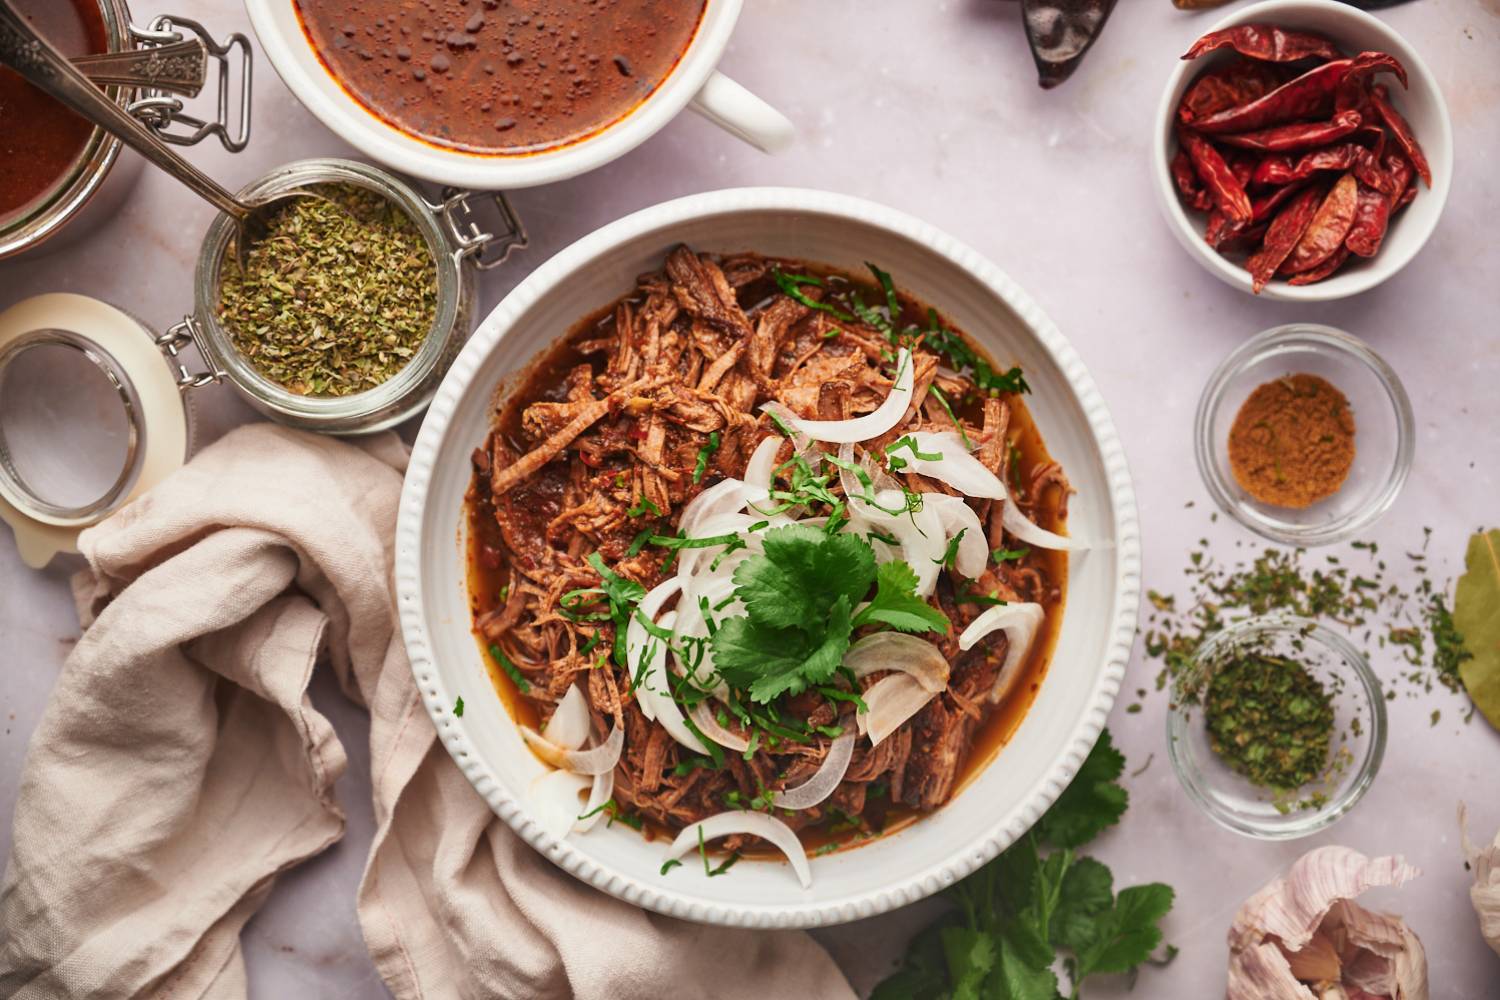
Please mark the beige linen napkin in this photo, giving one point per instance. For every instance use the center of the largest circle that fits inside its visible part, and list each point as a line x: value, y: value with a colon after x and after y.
x: 179, y: 767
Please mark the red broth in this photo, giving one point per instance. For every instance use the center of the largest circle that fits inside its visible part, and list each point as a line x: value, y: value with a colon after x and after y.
x: 40, y: 140
x: 500, y: 76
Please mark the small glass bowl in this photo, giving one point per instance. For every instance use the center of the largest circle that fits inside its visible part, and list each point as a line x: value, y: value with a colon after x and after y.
x: 1384, y: 437
x: 1355, y: 753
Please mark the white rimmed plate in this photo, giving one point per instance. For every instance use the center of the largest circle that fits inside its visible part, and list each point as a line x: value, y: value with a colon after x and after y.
x: 1103, y: 587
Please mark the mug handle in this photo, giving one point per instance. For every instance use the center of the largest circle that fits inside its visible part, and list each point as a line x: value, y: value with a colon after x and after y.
x: 740, y: 113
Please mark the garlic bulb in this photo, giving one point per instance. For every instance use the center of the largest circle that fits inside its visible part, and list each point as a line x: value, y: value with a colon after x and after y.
x: 1485, y: 894
x: 1303, y: 938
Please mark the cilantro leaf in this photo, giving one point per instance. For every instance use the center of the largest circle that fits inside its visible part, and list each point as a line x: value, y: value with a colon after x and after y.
x: 971, y: 956
x: 770, y: 662
x: 1015, y: 980
x: 1087, y: 891
x: 1093, y: 803
x: 1125, y: 935
x: 896, y: 602
x: 801, y: 574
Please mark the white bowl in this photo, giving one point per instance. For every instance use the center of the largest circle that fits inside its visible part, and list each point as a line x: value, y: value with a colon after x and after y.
x: 1103, y: 586
x: 693, y: 80
x: 1352, y: 30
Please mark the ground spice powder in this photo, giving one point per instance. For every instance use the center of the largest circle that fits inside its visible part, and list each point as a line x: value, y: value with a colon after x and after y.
x: 1292, y: 442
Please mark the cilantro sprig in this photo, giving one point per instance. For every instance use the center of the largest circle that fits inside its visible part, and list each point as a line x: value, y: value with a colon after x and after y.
x: 800, y: 597
x: 1017, y: 916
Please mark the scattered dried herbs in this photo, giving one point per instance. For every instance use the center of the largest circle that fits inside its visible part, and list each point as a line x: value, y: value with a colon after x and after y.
x: 336, y: 297
x: 1399, y: 610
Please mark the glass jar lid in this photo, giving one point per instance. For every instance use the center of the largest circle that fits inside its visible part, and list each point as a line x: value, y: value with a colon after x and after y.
x: 90, y: 418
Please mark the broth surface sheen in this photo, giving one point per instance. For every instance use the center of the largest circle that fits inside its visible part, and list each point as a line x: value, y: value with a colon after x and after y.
x: 500, y: 76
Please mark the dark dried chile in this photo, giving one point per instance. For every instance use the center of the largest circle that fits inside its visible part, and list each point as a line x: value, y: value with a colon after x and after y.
x: 1266, y: 42
x: 1227, y: 190
x: 1328, y: 229
x: 1307, y: 96
x: 1298, y: 135
x: 1381, y: 98
x: 1282, y: 236
x: 1372, y: 213
x: 1061, y: 32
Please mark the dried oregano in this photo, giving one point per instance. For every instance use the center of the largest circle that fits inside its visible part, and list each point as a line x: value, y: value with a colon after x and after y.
x: 336, y: 297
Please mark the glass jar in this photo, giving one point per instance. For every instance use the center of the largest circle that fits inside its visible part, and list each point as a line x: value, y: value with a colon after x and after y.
x: 105, y: 172
x: 458, y: 248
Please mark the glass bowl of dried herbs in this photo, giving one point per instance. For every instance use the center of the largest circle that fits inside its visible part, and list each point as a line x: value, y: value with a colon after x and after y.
x: 1304, y: 435
x: 1277, y: 727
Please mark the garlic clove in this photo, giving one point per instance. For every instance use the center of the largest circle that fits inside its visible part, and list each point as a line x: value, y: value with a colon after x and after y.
x: 1318, y: 962
x: 1302, y: 930
x: 1485, y: 893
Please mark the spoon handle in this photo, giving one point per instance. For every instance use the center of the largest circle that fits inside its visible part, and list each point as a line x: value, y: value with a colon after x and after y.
x: 32, y: 56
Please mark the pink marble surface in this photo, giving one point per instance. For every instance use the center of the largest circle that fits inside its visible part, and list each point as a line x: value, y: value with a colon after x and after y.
x: 933, y: 108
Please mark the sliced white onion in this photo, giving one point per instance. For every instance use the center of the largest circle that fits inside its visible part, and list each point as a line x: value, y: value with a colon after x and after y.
x: 956, y: 466
x: 897, y: 651
x: 823, y: 782
x: 555, y: 803
x: 762, y: 464
x: 755, y: 824
x: 637, y: 639
x: 703, y: 717
x: 1022, y: 529
x: 724, y: 497
x: 891, y: 701
x: 595, y: 760
x: 958, y: 517
x: 968, y: 475
x: 655, y: 691
x: 1020, y: 623
x: 604, y: 787
x: 569, y: 725
x: 887, y: 415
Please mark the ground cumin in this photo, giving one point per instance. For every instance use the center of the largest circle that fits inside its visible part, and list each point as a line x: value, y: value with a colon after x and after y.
x: 1292, y: 443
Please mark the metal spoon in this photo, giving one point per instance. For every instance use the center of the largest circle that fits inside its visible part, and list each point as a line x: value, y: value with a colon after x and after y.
x: 178, y: 68
x: 32, y: 56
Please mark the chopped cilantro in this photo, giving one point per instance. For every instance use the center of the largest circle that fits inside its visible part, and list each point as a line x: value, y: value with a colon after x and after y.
x: 458, y: 708
x: 704, y: 454
x: 511, y: 670
x: 642, y: 506
x: 1010, y: 555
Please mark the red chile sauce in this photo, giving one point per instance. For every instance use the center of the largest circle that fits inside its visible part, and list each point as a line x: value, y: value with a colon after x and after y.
x: 500, y: 76
x: 40, y: 140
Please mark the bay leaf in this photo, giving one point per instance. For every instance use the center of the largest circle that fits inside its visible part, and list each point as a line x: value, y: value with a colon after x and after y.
x: 1476, y: 614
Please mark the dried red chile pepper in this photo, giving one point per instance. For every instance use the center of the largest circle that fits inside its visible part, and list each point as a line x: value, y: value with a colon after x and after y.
x: 1401, y: 131
x: 1264, y: 125
x: 1227, y: 191
x: 1282, y: 235
x: 1298, y: 135
x: 1329, y: 227
x: 1266, y: 42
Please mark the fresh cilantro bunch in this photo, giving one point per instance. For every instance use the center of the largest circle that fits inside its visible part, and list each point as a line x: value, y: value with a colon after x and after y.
x: 1015, y: 918
x: 800, y: 597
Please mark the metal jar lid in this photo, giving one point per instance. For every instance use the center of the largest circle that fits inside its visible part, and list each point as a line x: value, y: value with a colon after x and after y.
x: 91, y: 417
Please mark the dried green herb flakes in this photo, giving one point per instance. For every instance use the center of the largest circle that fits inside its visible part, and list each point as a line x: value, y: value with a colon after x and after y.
x: 336, y: 297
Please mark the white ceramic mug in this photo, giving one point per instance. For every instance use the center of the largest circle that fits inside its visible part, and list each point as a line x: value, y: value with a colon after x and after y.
x: 694, y: 81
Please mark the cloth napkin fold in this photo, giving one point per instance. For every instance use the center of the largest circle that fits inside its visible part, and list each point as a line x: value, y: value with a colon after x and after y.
x: 180, y: 766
